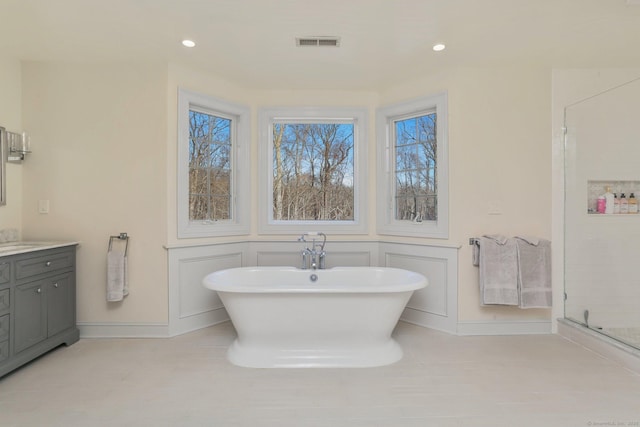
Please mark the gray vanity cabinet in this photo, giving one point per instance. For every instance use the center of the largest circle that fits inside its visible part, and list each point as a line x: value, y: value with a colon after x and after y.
x: 41, y: 312
x: 5, y: 309
x: 61, y: 307
x: 29, y: 316
x: 43, y: 308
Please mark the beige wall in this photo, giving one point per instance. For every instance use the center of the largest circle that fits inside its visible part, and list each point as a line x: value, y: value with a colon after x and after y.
x: 98, y: 136
x: 11, y: 119
x: 104, y: 137
x: 499, y: 157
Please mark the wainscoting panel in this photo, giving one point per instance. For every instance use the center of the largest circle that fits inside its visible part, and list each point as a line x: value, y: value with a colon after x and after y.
x: 191, y: 305
x: 294, y: 259
x: 339, y: 254
x: 433, y: 298
x: 435, y: 306
x: 195, y: 299
x: 349, y: 259
x: 278, y: 259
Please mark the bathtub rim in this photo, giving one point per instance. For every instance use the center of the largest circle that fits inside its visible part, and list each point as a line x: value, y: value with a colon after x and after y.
x: 416, y: 281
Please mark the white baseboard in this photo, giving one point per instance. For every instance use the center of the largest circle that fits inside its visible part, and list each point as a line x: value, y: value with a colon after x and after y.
x: 159, y: 330
x: 428, y: 320
x: 502, y: 327
x: 198, y: 321
x: 123, y: 330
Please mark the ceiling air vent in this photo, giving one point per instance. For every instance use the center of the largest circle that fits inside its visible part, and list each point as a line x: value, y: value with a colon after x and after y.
x: 318, y: 41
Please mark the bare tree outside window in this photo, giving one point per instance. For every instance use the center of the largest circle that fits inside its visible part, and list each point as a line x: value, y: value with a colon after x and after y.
x: 415, y: 150
x: 313, y: 171
x: 209, y: 167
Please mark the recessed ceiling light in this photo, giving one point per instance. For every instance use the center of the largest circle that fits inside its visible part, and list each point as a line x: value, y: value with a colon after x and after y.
x: 188, y: 43
x: 438, y: 47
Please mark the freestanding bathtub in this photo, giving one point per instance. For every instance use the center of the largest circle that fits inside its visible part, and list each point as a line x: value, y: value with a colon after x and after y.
x: 340, y: 317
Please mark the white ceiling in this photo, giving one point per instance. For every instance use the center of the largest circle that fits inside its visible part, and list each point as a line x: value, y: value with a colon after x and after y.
x: 252, y: 42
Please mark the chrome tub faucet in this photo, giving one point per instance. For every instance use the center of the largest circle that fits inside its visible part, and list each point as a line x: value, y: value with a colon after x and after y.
x: 313, y: 257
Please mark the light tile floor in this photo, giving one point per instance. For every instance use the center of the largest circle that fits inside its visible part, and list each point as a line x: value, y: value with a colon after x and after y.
x: 443, y: 380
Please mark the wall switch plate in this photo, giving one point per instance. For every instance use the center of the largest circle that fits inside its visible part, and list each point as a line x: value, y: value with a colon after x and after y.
x: 495, y: 207
x: 43, y: 206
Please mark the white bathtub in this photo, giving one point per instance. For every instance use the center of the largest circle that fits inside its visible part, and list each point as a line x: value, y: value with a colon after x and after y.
x: 343, y: 318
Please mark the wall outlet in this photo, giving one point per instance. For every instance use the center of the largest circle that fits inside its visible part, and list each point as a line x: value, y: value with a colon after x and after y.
x: 43, y: 206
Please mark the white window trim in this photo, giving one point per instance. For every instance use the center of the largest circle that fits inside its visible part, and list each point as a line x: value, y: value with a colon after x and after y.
x: 266, y: 223
x: 387, y: 224
x: 239, y: 224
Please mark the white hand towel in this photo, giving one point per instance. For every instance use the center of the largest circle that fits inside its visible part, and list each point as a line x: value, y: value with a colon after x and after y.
x: 498, y: 271
x: 117, y: 281
x: 534, y: 274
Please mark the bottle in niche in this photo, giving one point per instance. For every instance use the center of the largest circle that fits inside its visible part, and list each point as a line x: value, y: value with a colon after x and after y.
x: 608, y: 198
x: 602, y: 205
x: 624, y: 204
x: 633, y: 204
x: 616, y: 203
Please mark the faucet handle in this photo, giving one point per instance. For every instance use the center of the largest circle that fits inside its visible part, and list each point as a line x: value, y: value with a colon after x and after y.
x: 321, y: 260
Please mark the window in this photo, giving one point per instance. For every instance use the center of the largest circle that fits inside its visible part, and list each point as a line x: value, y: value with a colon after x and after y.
x: 312, y: 169
x: 414, y: 149
x: 412, y: 153
x: 209, y: 168
x: 213, y: 167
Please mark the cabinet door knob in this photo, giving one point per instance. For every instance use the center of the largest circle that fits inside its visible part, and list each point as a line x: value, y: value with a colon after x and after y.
x: 55, y: 285
x: 39, y: 290
x: 48, y: 263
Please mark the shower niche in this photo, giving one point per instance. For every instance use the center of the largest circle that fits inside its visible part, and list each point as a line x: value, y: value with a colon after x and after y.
x: 597, y: 188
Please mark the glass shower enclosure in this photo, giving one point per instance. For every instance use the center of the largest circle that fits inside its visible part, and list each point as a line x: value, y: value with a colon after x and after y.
x: 602, y: 250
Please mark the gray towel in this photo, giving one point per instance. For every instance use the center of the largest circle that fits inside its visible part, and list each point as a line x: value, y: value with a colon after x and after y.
x: 498, y: 238
x: 534, y: 273
x: 117, y: 281
x: 498, y: 270
x: 532, y: 240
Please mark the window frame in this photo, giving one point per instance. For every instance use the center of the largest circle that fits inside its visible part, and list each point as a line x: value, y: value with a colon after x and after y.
x: 387, y: 224
x: 239, y: 223
x: 266, y: 117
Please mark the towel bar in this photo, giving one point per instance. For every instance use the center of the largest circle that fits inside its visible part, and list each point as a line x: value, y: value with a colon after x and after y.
x: 121, y: 236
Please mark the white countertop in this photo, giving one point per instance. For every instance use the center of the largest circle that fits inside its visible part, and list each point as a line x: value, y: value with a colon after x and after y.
x: 20, y: 247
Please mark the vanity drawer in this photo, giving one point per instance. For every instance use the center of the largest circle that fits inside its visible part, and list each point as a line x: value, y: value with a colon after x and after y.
x: 5, y: 272
x: 35, y: 265
x: 5, y: 302
x: 4, y: 328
